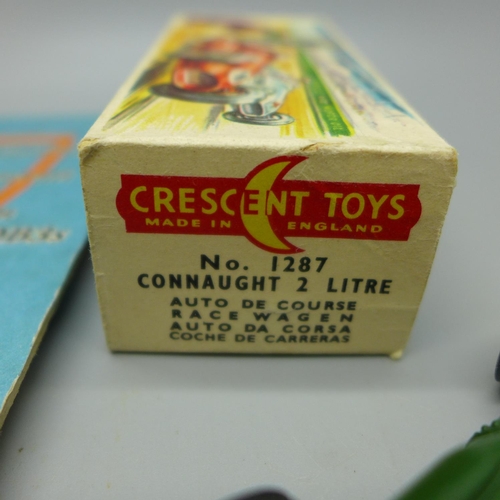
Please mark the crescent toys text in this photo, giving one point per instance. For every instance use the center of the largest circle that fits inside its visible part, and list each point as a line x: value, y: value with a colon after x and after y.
x: 266, y: 208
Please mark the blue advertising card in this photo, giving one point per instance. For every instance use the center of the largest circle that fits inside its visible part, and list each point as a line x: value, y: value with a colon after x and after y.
x: 42, y: 232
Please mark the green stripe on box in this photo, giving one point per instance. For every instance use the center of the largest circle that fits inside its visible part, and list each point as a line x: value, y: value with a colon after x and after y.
x: 329, y: 117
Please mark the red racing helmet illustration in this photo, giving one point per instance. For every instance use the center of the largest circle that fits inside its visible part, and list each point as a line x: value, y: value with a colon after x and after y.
x: 231, y: 72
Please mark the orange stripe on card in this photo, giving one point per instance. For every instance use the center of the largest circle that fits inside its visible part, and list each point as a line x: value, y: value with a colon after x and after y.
x: 59, y: 146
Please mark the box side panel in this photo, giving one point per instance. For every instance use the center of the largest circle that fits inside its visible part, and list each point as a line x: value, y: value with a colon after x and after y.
x: 293, y: 251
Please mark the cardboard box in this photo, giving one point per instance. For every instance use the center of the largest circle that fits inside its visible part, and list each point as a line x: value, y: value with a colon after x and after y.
x: 256, y: 188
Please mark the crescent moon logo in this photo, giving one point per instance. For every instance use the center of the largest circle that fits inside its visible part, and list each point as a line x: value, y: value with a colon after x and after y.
x: 258, y: 226
x: 266, y: 207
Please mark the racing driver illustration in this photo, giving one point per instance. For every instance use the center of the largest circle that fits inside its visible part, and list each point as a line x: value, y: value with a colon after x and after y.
x: 230, y: 72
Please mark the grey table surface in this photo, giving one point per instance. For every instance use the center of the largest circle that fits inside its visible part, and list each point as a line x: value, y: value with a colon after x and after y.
x: 90, y: 424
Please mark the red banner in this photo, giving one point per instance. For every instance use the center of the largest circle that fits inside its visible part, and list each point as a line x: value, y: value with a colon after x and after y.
x: 266, y: 208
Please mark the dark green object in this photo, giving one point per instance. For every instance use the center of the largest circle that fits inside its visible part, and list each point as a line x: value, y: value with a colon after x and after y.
x: 471, y: 473
x: 268, y: 494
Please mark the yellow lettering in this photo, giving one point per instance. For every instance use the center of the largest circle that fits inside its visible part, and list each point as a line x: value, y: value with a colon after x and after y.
x: 298, y: 195
x: 279, y: 205
x: 345, y: 207
x: 133, y: 199
x: 333, y: 202
x: 184, y: 199
x: 399, y: 209
x: 210, y: 201
x: 223, y: 201
x: 152, y: 222
x: 165, y: 201
x: 376, y: 204
x: 258, y: 205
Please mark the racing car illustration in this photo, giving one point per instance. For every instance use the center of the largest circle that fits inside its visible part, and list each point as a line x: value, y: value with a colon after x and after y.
x: 229, y: 72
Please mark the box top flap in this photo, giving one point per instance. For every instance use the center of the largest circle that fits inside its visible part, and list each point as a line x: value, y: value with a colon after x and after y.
x: 260, y: 81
